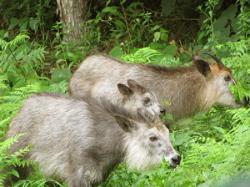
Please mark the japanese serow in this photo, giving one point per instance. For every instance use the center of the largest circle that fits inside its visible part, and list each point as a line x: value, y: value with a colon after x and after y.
x: 133, y: 99
x: 81, y: 142
x: 183, y: 90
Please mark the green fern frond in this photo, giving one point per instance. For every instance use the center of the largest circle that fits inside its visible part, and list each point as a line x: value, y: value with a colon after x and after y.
x: 20, y: 38
x: 7, y: 160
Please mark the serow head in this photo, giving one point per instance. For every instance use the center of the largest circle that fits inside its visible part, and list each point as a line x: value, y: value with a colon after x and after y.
x: 218, y: 79
x: 140, y: 101
x: 147, y: 144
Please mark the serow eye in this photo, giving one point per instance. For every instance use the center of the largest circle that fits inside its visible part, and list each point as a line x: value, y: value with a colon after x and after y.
x: 153, y: 138
x: 146, y: 100
x: 227, y: 78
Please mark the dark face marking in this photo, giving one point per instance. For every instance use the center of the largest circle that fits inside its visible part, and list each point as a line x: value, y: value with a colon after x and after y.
x: 133, y: 85
x: 203, y: 67
x: 147, y: 101
x: 124, y: 90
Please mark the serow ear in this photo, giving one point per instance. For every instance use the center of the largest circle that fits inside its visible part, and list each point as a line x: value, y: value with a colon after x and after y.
x: 125, y: 123
x: 135, y: 86
x: 202, y: 66
x: 124, y: 90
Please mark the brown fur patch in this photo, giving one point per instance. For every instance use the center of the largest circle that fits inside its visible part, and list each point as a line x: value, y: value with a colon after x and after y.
x: 221, y: 67
x: 159, y: 69
x: 214, y: 68
x: 227, y: 69
x: 167, y: 70
x: 218, y: 69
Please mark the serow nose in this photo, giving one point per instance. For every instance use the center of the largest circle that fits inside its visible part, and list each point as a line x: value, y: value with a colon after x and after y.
x: 162, y: 110
x: 176, y: 160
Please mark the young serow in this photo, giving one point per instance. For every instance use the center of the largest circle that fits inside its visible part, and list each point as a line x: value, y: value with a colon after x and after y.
x: 81, y: 142
x: 183, y: 90
x: 134, y: 100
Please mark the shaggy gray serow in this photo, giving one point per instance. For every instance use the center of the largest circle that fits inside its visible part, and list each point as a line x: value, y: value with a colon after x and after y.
x: 80, y: 142
x: 183, y: 90
x: 135, y: 100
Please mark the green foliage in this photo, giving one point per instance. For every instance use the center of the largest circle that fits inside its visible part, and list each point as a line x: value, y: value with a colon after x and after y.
x: 231, y: 25
x: 207, y: 29
x: 233, y: 49
x: 206, y: 161
x: 8, y: 161
x: 69, y: 54
x: 10, y: 102
x: 20, y: 63
x: 167, y: 6
x: 240, y: 65
x: 214, y: 145
x: 243, y: 18
x: 38, y: 182
x: 3, y: 86
x: 130, y: 27
x: 32, y: 15
x: 153, y: 55
x: 19, y: 60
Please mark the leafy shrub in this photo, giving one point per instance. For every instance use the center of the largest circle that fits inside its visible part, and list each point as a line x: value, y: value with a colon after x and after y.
x: 154, y: 55
x: 231, y: 25
x: 10, y: 103
x: 131, y: 26
x: 8, y: 161
x: 214, y: 145
x: 20, y: 59
x: 36, y: 16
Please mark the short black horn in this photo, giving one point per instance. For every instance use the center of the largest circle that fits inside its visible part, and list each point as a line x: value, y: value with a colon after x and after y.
x: 217, y: 60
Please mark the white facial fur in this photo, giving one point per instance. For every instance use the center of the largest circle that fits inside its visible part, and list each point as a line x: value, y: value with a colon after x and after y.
x: 146, y: 147
x: 221, y: 84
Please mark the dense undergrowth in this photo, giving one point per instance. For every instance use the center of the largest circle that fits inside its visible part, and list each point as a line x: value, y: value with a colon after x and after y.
x: 214, y: 145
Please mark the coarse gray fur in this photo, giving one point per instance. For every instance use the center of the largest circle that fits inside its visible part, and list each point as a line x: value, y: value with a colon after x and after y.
x: 81, y: 142
x: 183, y: 91
x: 132, y: 98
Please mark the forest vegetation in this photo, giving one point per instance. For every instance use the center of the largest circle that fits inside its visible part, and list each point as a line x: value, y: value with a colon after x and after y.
x: 40, y: 48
